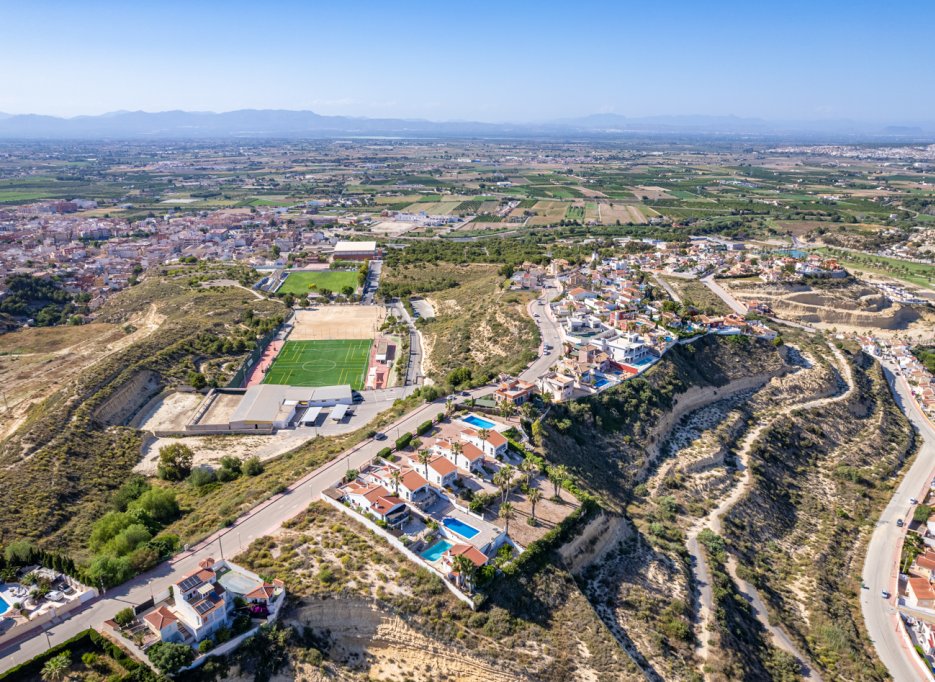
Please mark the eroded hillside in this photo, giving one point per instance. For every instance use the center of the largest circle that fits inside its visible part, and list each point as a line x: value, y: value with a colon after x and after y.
x: 361, y: 611
x: 60, y: 466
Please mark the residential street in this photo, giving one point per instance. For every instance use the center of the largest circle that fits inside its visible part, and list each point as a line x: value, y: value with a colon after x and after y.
x: 880, y: 567
x: 549, y: 328
x: 725, y: 295
x: 264, y: 519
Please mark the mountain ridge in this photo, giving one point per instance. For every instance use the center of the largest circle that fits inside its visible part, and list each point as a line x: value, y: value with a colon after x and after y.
x: 259, y: 123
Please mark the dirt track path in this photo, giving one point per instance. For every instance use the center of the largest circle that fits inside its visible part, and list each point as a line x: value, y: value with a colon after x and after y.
x: 713, y: 521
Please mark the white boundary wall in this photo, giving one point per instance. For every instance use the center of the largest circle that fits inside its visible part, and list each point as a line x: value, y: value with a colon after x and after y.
x: 408, y: 553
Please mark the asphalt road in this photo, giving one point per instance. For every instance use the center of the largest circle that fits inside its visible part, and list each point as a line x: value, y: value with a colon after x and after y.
x: 725, y: 295
x: 549, y: 330
x: 881, y: 565
x: 265, y: 519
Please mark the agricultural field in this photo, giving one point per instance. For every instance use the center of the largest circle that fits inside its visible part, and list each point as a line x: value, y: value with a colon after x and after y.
x: 301, y: 282
x: 321, y: 363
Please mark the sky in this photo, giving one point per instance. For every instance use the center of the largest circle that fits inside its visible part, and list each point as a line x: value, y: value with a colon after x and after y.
x: 480, y: 61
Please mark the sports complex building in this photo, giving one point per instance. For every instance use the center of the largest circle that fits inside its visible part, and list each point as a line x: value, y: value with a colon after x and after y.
x: 315, y: 363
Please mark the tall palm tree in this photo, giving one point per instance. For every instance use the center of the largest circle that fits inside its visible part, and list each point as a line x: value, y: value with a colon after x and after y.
x: 424, y: 457
x: 506, y: 513
x: 464, y: 567
x: 558, y: 475
x: 534, y: 495
x: 394, y: 476
x: 456, y: 449
x: 483, y: 433
x: 56, y: 668
x: 530, y: 467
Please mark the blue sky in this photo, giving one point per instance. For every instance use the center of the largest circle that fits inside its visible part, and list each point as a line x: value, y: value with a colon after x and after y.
x: 488, y: 61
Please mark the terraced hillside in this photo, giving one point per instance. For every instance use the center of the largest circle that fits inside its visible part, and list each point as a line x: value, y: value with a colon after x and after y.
x: 777, y: 452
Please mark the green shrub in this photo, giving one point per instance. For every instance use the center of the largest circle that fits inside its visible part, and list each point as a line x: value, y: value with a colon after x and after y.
x: 124, y: 616
x: 403, y: 440
x: 424, y: 427
x: 253, y: 466
x: 202, y: 476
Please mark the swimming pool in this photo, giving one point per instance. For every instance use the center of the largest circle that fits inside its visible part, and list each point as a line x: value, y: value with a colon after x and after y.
x: 479, y: 422
x: 460, y: 527
x: 3, y: 605
x: 434, y: 553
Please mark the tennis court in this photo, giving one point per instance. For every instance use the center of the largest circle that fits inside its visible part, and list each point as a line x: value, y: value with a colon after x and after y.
x: 321, y: 363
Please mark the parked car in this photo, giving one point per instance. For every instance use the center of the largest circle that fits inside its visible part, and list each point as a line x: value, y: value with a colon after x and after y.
x: 886, y: 595
x: 466, y: 394
x: 452, y: 398
x: 899, y: 523
x: 379, y: 436
x: 913, y: 500
x: 357, y: 397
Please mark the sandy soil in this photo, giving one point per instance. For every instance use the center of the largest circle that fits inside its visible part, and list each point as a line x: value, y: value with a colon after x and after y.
x: 171, y: 413
x: 42, y: 360
x: 338, y: 322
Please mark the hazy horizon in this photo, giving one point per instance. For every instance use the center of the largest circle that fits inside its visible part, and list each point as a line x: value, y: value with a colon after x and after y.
x: 522, y: 63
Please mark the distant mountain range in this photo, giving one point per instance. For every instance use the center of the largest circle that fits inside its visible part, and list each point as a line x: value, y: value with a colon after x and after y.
x: 281, y: 123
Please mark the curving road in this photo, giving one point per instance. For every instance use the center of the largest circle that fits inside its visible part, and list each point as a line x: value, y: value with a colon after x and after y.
x: 264, y: 519
x: 881, y: 564
x: 880, y: 572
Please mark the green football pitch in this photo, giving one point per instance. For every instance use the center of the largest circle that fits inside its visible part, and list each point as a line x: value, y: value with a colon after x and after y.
x: 321, y: 363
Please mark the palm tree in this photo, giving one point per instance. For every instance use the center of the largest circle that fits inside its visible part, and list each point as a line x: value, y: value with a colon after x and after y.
x: 56, y: 668
x: 464, y: 567
x: 424, y: 457
x: 530, y: 467
x: 483, y: 433
x: 456, y: 449
x: 558, y: 474
x: 506, y: 513
x: 449, y: 406
x: 394, y: 476
x: 534, y: 495
x: 503, y: 479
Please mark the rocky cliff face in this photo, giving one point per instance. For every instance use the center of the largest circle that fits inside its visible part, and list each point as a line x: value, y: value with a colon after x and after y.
x: 610, y: 441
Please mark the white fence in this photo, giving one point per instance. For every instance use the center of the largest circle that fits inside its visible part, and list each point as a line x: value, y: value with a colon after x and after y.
x: 394, y: 541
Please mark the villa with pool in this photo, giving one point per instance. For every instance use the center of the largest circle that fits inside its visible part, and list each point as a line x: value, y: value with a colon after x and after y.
x: 420, y: 495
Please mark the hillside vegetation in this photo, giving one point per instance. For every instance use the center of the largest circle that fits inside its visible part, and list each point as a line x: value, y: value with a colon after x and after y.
x: 608, y: 440
x: 478, y: 327
x: 821, y: 479
x: 59, y: 469
x: 363, y: 612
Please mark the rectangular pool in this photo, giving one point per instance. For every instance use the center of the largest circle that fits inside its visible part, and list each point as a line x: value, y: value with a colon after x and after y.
x: 434, y: 553
x: 3, y: 605
x: 460, y: 527
x: 478, y: 422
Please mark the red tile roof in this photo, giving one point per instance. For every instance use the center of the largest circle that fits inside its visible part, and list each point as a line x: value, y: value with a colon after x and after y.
x: 477, y: 557
x: 442, y: 465
x: 160, y: 618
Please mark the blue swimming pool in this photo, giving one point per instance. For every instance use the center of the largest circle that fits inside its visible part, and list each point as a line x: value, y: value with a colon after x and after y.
x: 3, y: 605
x: 460, y: 527
x: 479, y: 422
x: 434, y: 553
x: 601, y: 383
